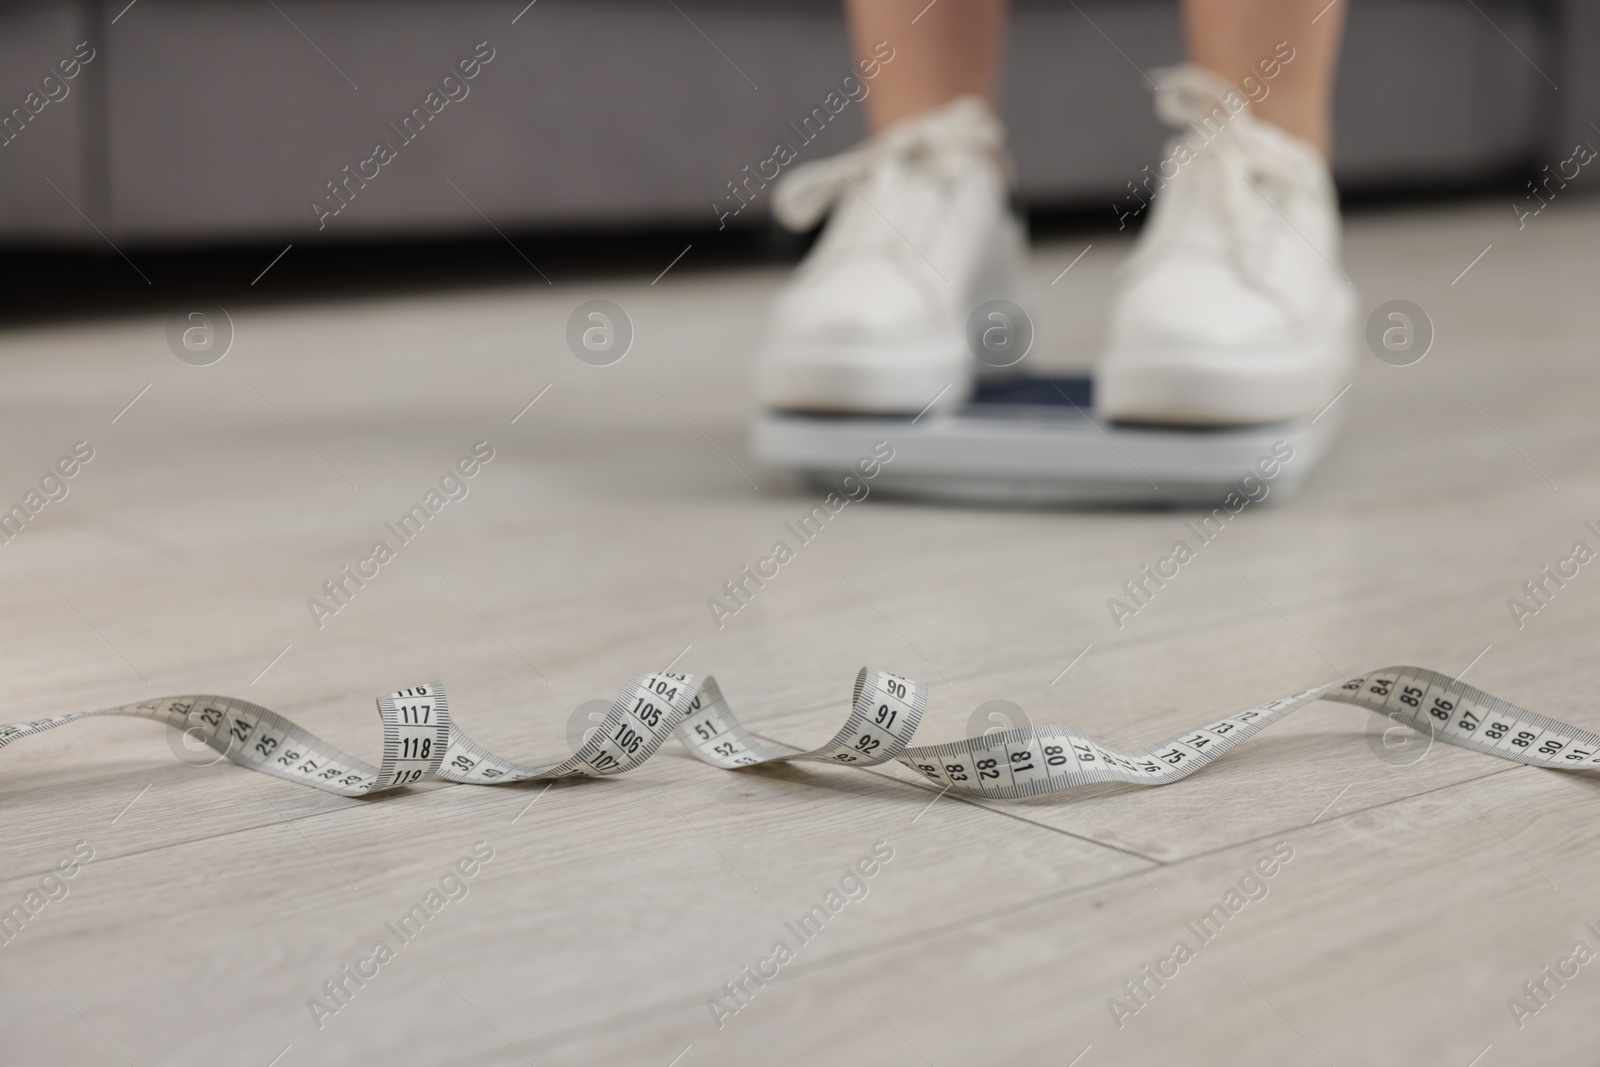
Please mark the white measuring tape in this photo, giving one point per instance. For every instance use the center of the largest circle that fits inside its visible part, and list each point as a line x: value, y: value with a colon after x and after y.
x: 420, y: 740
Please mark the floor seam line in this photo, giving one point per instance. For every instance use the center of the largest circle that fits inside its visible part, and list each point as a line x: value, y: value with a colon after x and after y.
x: 973, y: 802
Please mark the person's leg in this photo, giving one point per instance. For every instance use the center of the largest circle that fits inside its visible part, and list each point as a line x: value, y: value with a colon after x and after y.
x: 1230, y: 37
x: 1234, y: 310
x: 919, y: 232
x: 951, y: 50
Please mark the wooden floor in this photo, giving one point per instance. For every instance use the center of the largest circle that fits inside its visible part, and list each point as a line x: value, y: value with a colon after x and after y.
x: 1420, y: 896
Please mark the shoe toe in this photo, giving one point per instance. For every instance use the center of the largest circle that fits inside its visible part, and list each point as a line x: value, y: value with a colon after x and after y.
x: 855, y: 301
x: 1196, y: 305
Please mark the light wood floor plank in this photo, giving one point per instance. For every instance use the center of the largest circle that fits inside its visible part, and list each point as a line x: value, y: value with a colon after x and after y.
x: 221, y: 500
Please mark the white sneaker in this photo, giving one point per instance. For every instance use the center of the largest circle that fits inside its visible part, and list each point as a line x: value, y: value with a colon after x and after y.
x: 1233, y: 309
x: 920, y: 235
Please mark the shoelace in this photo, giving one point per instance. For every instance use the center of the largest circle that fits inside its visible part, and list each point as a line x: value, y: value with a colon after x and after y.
x: 1240, y: 166
x: 935, y: 143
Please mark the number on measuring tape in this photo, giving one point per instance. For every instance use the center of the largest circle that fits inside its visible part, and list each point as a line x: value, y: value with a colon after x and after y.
x: 421, y: 741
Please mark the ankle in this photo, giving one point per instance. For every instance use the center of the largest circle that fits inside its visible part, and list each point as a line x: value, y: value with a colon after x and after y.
x: 1308, y: 124
x: 891, y: 112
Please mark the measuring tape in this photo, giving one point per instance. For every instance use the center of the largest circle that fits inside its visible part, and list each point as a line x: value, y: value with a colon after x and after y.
x: 420, y: 740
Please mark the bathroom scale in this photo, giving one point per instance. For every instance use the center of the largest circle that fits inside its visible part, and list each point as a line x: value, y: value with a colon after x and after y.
x: 1036, y: 441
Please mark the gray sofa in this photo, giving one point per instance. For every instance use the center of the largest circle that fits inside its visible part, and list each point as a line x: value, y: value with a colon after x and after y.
x: 208, y: 121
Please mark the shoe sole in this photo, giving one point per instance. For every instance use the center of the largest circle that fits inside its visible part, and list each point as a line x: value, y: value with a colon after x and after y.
x: 1194, y: 387
x: 879, y: 378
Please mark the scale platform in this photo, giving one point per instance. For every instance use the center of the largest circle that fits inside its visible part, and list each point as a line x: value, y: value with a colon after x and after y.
x: 1035, y: 441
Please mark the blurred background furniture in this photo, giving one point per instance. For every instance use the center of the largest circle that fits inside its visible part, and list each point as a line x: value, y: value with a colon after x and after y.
x: 216, y: 121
